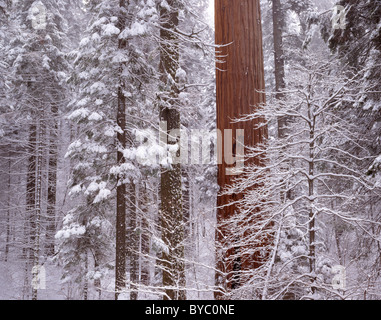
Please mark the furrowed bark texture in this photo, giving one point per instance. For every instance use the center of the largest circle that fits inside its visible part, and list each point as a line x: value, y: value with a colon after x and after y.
x: 121, y: 249
x: 239, y: 77
x: 172, y: 224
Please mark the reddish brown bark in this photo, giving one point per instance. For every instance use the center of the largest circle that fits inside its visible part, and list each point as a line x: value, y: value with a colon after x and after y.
x: 239, y: 77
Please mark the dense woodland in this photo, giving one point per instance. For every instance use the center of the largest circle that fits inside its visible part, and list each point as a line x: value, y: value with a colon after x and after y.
x: 99, y: 197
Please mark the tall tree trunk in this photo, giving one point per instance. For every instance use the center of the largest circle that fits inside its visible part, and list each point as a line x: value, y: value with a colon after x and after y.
x: 97, y: 281
x: 279, y: 71
x: 86, y: 282
x: 8, y: 236
x: 29, y: 237
x: 120, y: 260
x: 172, y: 226
x: 144, y: 237
x: 133, y: 246
x: 240, y: 80
x: 278, y: 25
x: 186, y: 203
x: 37, y: 210
x: 311, y: 192
x: 52, y: 183
x: 31, y: 174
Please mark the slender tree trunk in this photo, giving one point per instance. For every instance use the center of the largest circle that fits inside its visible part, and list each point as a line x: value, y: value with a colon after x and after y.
x: 158, y: 274
x: 86, y: 282
x: 97, y: 281
x: 8, y: 236
x: 37, y: 210
x: 172, y: 226
x: 186, y: 203
x: 311, y: 224
x: 338, y: 234
x: 133, y: 247
x: 145, y: 237
x: 29, y: 226
x: 52, y: 184
x: 31, y: 174
x: 279, y: 71
x: 278, y: 25
x: 120, y: 261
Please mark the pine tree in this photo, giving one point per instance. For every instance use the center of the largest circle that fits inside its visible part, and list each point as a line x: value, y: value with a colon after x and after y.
x: 171, y: 209
x: 358, y: 45
x: 36, y: 53
x: 112, y: 77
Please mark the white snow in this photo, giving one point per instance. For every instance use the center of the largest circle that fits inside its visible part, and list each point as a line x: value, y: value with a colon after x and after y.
x: 74, y: 229
x: 181, y: 75
x: 83, y: 113
x: 137, y: 29
x: 76, y: 189
x: 110, y: 132
x: 95, y: 116
x: 110, y: 30
x: 102, y: 195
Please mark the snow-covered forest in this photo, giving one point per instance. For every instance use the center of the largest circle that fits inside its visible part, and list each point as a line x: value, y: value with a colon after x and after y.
x: 111, y: 150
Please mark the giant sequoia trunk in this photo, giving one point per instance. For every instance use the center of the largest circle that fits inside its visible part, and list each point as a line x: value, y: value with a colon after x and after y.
x: 239, y: 76
x: 172, y: 226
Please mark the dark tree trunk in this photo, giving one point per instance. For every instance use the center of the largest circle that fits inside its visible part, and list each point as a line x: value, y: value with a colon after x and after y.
x: 186, y: 202
x: 97, y: 281
x: 36, y: 220
x: 31, y: 178
x: 145, y: 236
x: 120, y: 259
x: 29, y: 226
x: 172, y: 225
x: 86, y: 282
x: 52, y: 183
x: 120, y: 262
x: 8, y: 237
x: 133, y: 246
x: 311, y: 192
x: 278, y: 25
